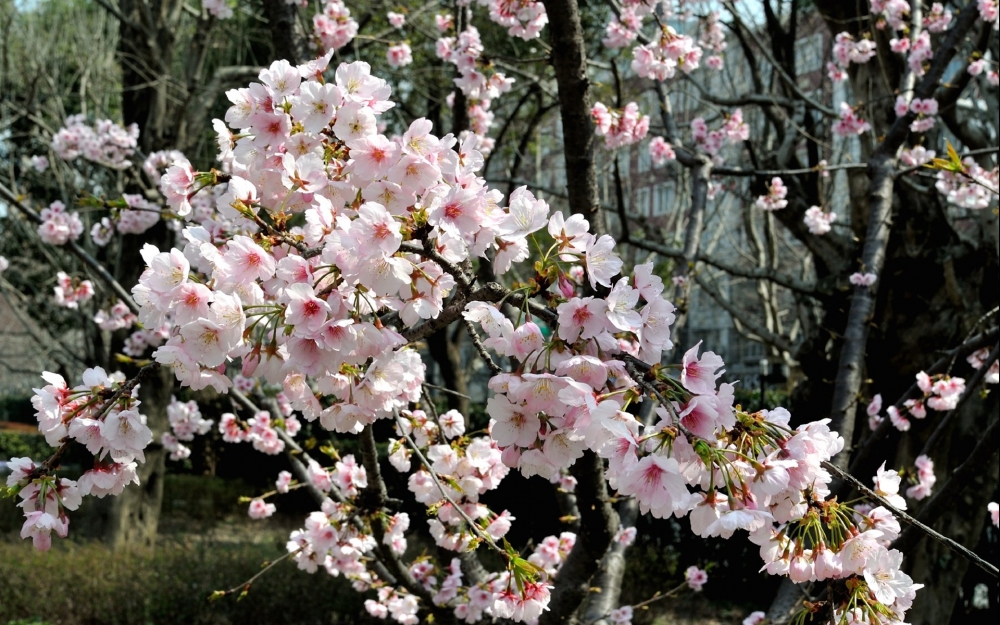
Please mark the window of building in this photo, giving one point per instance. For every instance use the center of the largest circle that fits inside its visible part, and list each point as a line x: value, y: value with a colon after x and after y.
x: 663, y: 198
x: 641, y: 205
x: 809, y: 54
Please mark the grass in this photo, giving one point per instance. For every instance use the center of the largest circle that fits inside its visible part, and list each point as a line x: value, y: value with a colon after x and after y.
x: 88, y: 584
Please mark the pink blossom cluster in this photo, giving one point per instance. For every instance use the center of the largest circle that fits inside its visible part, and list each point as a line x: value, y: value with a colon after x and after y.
x: 849, y: 123
x: 818, y: 221
x: 713, y: 38
x: 71, y: 292
x: 775, y: 198
x: 624, y: 28
x: 925, y: 479
x: 975, y: 189
x: 920, y: 53
x: 105, y: 142
x: 619, y: 127
x: 185, y: 422
x: 522, y: 18
x: 334, y: 26
x: 323, y: 310
x: 660, y: 151
x: 117, y: 317
x: 217, y: 9
x: 97, y: 414
x: 39, y: 163
x: 937, y: 19
x: 989, y: 10
x: 941, y: 392
x: 261, y: 431
x: 891, y: 12
x: 59, y: 226
x: 475, y: 466
x: 396, y: 20
x: 139, y: 341
x: 994, y: 509
x: 734, y: 130
x: 846, y: 51
x: 480, y: 83
x: 925, y: 110
x: 916, y: 156
x: 399, y: 54
x: 977, y: 360
x: 661, y: 58
x: 44, y: 501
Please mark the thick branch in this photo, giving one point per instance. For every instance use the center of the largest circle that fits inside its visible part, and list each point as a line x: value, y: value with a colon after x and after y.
x: 569, y: 58
x: 598, y: 522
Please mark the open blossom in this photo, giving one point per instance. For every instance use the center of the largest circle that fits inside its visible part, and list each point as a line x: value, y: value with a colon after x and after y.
x: 994, y: 509
x: 925, y: 479
x: 259, y: 509
x: 887, y: 486
x: 396, y: 20
x: 399, y: 55
x: 755, y: 618
x: 695, y: 578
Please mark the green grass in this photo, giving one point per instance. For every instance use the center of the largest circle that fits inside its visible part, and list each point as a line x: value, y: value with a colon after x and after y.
x: 88, y: 584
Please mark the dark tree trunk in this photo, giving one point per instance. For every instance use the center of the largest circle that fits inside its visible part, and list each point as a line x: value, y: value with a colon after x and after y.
x: 570, y: 62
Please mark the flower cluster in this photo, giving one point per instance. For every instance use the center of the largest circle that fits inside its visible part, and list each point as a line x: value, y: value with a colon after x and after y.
x: 973, y: 188
x: 71, y: 292
x: 925, y: 110
x: 185, y: 422
x: 105, y: 142
x: 59, y: 226
x: 619, y: 127
x: 118, y: 317
x: 102, y: 415
x: 522, y: 18
x: 479, y: 82
x: 818, y: 221
x: 941, y: 392
x: 661, y: 58
x: 218, y: 9
x: 775, y: 198
x: 660, y: 151
x: 734, y: 131
x: 334, y: 27
x: 979, y: 358
x: 846, y: 51
x: 849, y: 122
x: 474, y: 467
x: 924, y: 478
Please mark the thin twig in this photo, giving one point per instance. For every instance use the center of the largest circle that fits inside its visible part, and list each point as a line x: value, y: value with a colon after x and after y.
x: 951, y: 544
x: 427, y: 465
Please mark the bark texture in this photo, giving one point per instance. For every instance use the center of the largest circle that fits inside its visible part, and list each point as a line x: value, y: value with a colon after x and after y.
x: 569, y: 58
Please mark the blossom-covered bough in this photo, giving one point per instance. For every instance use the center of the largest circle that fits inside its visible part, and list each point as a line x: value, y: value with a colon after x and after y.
x: 321, y: 252
x: 329, y: 308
